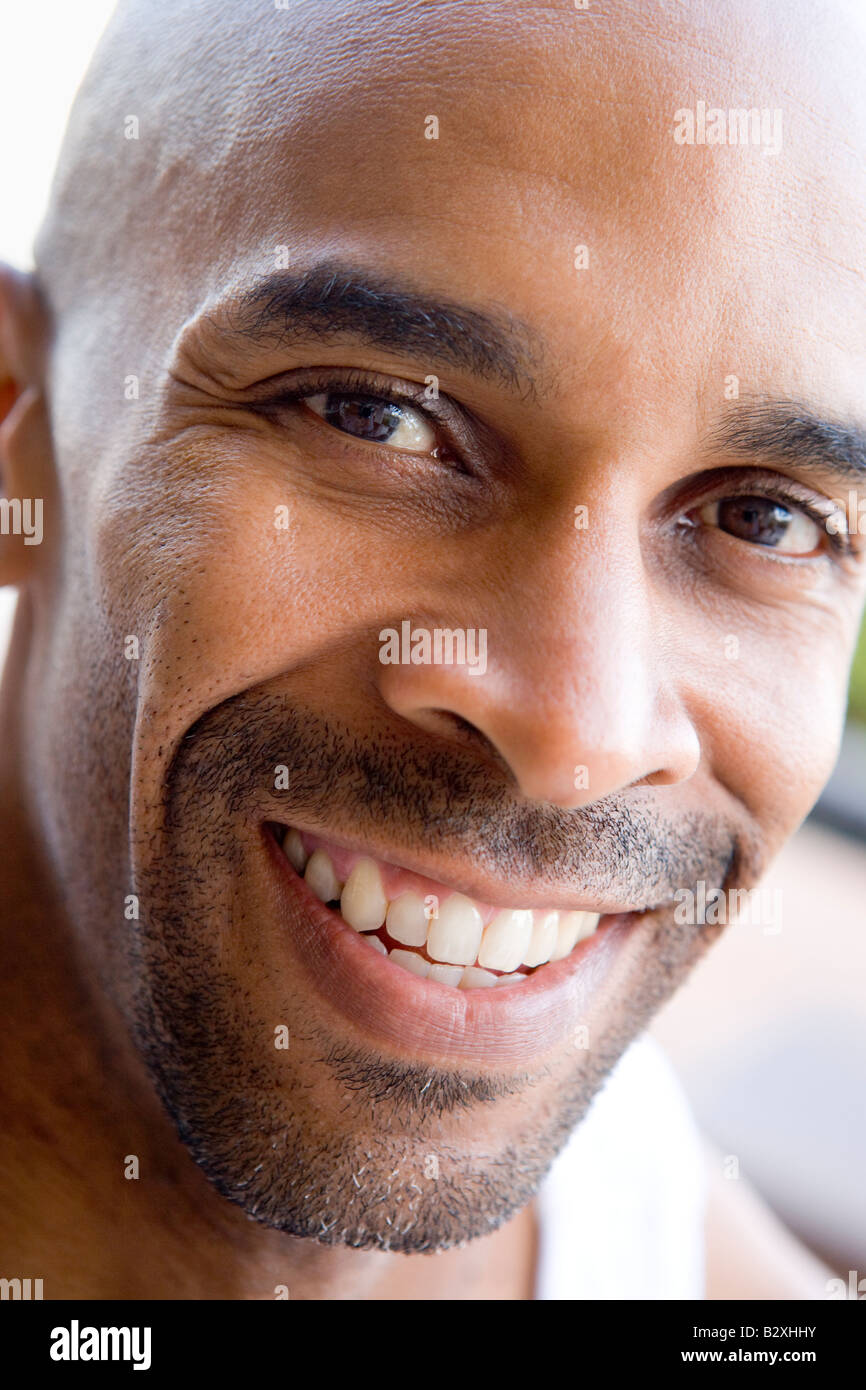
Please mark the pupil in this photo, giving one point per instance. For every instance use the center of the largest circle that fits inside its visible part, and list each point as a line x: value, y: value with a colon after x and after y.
x: 754, y: 519
x: 363, y: 416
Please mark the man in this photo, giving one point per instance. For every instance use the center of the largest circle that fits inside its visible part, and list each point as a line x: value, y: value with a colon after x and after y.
x: 440, y: 414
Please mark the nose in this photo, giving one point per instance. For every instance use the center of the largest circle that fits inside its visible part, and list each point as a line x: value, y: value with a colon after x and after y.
x: 578, y: 693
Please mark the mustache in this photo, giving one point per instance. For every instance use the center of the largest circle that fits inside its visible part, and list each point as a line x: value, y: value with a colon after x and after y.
x: 407, y: 790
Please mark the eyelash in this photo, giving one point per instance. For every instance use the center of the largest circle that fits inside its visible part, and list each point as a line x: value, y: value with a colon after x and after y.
x: 355, y: 381
x: 775, y: 491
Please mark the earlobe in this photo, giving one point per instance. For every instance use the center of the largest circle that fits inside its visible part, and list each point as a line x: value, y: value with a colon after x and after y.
x: 26, y: 473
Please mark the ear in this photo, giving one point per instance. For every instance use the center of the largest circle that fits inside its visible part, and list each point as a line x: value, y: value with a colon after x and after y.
x: 26, y: 470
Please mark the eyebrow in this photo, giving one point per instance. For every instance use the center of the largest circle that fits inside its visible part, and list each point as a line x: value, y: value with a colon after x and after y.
x: 787, y: 431
x: 334, y: 299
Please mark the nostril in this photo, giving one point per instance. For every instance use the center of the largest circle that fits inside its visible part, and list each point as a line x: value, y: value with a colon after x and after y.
x: 465, y: 727
x: 664, y: 777
x: 460, y: 730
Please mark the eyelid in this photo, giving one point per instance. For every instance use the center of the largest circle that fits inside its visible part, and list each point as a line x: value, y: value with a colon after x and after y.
x: 442, y: 413
x: 746, y: 482
x: 798, y: 516
x: 457, y: 430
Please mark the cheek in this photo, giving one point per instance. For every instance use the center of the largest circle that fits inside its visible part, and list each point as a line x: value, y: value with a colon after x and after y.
x: 231, y: 578
x: 772, y: 717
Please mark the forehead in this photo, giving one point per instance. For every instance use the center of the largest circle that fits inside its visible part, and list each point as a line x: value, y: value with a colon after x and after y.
x: 473, y: 147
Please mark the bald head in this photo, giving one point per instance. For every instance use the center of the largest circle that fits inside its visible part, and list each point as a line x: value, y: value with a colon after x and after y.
x: 203, y: 133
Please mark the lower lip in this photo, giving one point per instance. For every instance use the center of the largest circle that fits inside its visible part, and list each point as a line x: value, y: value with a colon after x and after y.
x: 426, y: 1021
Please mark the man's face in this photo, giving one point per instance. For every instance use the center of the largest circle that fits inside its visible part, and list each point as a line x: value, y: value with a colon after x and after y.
x: 668, y: 626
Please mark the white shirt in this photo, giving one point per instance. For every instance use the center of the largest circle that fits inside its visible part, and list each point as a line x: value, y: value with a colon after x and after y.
x: 621, y: 1210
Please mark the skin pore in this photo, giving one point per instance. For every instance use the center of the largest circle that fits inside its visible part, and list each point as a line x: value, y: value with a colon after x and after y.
x: 282, y: 218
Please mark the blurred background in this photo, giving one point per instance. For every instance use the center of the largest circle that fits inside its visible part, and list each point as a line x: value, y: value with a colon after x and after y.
x: 769, y: 1035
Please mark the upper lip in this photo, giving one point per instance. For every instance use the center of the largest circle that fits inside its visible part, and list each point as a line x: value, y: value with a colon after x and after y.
x: 474, y: 884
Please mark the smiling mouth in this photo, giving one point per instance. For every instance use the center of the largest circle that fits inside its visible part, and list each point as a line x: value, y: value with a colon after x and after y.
x: 427, y: 928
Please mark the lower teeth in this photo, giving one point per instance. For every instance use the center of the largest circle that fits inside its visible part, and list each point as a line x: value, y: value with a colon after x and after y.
x: 456, y: 976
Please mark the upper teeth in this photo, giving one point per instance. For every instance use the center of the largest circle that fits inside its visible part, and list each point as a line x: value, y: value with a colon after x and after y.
x: 506, y: 940
x: 320, y: 875
x: 405, y: 919
x: 455, y: 933
x: 462, y: 951
x: 363, y: 903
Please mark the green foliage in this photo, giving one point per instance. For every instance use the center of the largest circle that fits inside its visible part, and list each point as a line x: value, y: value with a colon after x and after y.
x: 857, y: 691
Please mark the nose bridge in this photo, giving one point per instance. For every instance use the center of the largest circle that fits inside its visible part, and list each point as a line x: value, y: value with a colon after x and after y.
x: 593, y: 681
x: 579, y: 706
x: 575, y: 696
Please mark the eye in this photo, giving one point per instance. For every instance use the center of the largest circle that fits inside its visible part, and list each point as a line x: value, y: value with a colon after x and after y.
x: 765, y: 521
x: 375, y: 419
